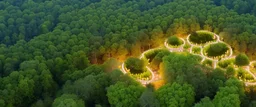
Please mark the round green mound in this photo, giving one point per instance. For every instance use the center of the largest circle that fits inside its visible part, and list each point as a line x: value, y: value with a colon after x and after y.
x: 174, y: 41
x: 216, y: 49
x: 201, y: 37
x: 135, y: 65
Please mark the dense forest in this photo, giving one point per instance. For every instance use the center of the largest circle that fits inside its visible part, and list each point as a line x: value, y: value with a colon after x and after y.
x: 67, y: 53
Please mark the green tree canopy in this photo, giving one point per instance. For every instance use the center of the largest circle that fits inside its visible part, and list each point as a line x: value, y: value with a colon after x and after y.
x: 216, y: 49
x: 242, y: 60
x: 176, y: 95
x: 68, y: 100
x: 135, y: 65
x: 174, y: 40
x: 205, y: 102
x: 148, y: 99
x: 124, y: 95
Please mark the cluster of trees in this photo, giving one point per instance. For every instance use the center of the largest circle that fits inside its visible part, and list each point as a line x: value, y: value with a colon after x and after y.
x: 174, y: 41
x: 201, y: 37
x: 226, y: 63
x: 240, y: 6
x: 154, y: 57
x: 217, y: 49
x: 214, y: 88
x: 49, y: 49
x: 23, y: 20
x: 135, y: 65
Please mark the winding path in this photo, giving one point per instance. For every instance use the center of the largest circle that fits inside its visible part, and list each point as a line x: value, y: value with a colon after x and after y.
x: 155, y: 76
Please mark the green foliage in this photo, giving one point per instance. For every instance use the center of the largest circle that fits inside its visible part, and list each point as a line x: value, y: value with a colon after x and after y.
x: 207, y: 62
x: 244, y: 75
x: 230, y: 95
x: 77, y: 74
x: 196, y: 50
x: 205, y: 102
x: 90, y: 88
x: 226, y: 63
x: 50, y: 44
x: 176, y: 95
x: 146, y: 75
x: 242, y: 60
x: 174, y: 41
x: 68, y: 100
x: 217, y: 49
x: 135, y: 65
x: 230, y: 72
x: 2, y: 103
x: 153, y: 54
x: 148, y: 99
x: 184, y: 68
x: 124, y: 95
x: 186, y: 46
x: 158, y: 59
x: 253, y: 104
x: 201, y: 37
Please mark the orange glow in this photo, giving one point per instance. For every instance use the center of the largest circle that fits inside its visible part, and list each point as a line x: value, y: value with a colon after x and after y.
x: 158, y: 84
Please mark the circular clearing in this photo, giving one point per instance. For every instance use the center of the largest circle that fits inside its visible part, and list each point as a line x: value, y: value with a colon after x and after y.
x: 135, y: 65
x: 201, y: 37
x: 174, y: 41
x: 216, y: 50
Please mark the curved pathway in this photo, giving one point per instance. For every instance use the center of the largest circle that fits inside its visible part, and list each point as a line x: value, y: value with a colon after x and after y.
x: 155, y: 76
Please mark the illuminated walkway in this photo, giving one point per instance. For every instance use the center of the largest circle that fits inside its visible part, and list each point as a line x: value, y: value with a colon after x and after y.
x: 155, y: 75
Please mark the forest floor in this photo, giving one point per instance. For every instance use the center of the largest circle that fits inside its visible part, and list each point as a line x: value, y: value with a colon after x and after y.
x: 155, y: 76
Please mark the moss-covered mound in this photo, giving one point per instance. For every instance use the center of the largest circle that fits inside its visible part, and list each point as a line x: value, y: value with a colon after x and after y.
x: 216, y: 49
